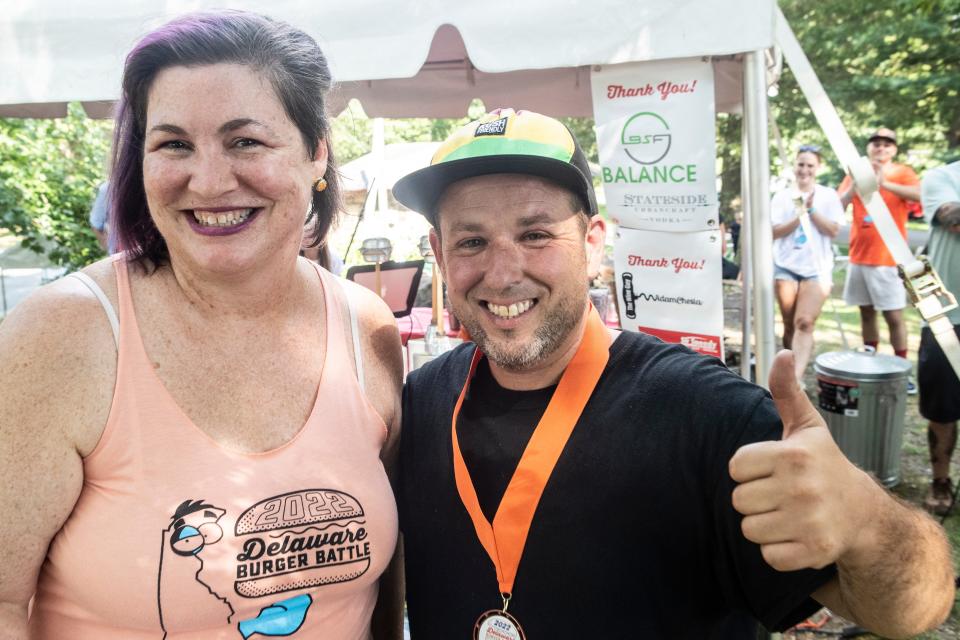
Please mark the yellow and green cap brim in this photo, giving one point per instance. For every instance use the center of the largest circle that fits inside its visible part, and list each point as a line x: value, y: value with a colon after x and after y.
x: 502, y: 141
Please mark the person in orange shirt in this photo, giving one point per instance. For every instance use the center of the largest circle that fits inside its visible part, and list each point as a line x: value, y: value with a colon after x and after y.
x: 872, y: 280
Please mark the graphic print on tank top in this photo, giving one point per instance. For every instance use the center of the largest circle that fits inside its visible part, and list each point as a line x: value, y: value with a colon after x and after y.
x: 293, y: 541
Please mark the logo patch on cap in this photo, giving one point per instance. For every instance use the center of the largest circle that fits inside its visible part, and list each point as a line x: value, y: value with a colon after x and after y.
x: 495, y: 128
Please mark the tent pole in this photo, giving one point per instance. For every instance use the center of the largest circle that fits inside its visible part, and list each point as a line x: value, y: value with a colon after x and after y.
x: 746, y: 255
x: 761, y: 236
x: 379, y: 164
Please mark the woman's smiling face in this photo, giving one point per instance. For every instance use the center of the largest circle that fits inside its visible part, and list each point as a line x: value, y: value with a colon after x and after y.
x: 805, y: 168
x: 226, y: 172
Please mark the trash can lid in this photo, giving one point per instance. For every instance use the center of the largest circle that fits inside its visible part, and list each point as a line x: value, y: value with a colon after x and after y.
x: 862, y: 365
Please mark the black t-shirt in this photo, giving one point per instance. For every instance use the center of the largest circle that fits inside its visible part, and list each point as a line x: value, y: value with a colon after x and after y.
x: 493, y: 430
x: 635, y: 535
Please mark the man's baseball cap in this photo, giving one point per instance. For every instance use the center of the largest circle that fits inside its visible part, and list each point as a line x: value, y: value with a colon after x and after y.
x: 502, y: 141
x: 883, y: 134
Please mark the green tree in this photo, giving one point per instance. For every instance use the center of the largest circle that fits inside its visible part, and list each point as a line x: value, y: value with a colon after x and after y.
x: 352, y: 133
x: 48, y: 178
x: 883, y: 62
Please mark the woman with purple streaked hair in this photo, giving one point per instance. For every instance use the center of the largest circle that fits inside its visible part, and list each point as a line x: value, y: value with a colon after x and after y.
x: 197, y: 432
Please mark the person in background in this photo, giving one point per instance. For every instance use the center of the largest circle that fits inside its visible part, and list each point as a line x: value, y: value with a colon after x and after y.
x: 324, y: 256
x: 736, y: 226
x: 872, y: 280
x: 729, y: 269
x: 805, y: 220
x: 197, y: 432
x: 939, y: 385
x: 100, y: 219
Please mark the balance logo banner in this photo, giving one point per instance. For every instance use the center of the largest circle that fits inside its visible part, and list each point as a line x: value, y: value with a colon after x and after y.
x: 669, y: 285
x: 655, y: 133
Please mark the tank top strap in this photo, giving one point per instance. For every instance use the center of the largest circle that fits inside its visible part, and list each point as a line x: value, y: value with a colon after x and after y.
x: 101, y: 297
x: 129, y: 341
x: 341, y: 330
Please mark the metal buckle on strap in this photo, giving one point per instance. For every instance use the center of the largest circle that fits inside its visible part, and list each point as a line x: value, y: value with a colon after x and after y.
x: 927, y: 292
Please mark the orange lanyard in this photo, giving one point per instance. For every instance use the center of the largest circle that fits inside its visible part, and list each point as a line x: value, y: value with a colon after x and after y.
x: 505, y: 539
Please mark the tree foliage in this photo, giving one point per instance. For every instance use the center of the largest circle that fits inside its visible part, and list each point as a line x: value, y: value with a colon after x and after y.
x: 48, y: 179
x: 892, y: 63
x: 353, y: 130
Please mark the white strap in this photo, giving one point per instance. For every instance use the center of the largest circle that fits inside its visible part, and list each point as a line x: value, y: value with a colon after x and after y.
x: 865, y: 180
x: 354, y: 331
x: 104, y: 302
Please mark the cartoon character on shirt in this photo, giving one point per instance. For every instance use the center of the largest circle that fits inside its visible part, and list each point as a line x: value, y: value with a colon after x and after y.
x: 182, y: 595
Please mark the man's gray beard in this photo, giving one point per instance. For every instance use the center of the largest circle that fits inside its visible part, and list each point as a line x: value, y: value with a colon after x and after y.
x: 546, y: 339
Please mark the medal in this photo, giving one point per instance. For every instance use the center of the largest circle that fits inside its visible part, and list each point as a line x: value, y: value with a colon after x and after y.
x: 497, y: 625
x: 504, y: 539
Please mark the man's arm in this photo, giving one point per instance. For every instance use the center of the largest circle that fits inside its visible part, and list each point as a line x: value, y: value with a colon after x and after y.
x: 898, y: 574
x: 101, y: 237
x: 941, y: 199
x: 846, y: 194
x: 807, y: 506
x: 948, y: 216
x: 906, y: 191
x: 99, y: 216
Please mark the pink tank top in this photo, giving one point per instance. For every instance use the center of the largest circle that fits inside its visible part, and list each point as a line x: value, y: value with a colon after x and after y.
x: 174, y: 536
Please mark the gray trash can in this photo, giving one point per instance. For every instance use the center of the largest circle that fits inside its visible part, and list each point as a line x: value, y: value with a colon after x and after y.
x: 863, y: 398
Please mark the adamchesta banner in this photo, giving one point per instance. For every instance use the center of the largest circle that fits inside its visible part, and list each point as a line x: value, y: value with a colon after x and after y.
x: 655, y: 134
x: 668, y: 285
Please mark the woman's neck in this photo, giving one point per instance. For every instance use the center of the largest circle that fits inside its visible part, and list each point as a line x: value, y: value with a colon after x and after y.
x: 241, y: 295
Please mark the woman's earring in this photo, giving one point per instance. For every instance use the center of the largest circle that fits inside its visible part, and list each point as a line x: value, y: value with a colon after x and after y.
x: 320, y: 185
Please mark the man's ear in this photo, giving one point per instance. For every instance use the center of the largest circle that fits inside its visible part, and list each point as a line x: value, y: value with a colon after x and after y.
x: 435, y: 244
x: 594, y: 242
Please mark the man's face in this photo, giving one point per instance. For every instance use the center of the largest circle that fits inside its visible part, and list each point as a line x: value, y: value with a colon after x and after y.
x: 881, y: 150
x: 517, y: 262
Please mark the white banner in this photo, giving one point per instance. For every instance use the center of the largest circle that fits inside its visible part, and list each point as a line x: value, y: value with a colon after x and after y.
x: 669, y: 285
x: 656, y: 140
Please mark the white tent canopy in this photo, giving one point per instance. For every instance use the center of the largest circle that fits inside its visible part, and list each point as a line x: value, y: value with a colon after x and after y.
x: 421, y: 58
x: 431, y: 58
x: 398, y: 159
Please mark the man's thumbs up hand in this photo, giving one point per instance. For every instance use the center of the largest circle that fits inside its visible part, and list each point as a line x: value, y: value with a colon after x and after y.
x: 795, y: 409
x: 803, y: 502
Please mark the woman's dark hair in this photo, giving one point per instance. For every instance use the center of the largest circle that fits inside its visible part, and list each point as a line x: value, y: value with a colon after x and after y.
x: 289, y: 58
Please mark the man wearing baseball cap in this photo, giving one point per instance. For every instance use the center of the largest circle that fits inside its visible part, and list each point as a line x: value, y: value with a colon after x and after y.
x: 872, y: 280
x: 562, y: 480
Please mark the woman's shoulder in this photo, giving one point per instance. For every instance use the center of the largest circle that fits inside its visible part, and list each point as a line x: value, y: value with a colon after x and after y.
x: 65, y: 309
x: 369, y: 305
x: 374, y: 317
x: 378, y: 328
x: 57, y: 350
